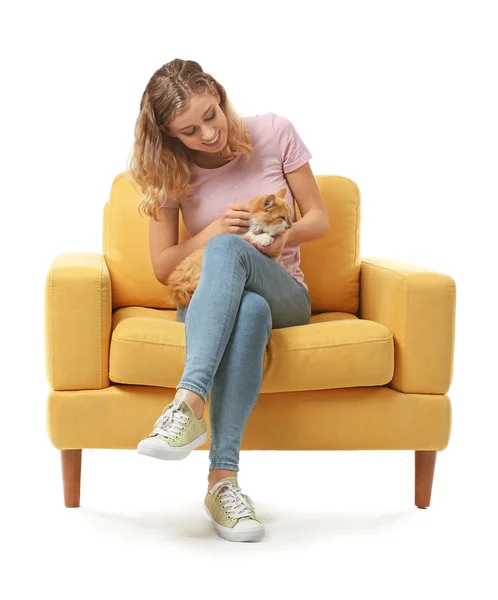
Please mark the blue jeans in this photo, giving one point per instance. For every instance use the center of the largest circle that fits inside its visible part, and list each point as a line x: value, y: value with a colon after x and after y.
x: 242, y: 294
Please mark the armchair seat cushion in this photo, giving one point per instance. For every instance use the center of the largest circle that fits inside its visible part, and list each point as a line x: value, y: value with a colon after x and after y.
x: 335, y: 350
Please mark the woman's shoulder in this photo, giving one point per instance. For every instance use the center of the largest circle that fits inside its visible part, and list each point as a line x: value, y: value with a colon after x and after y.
x: 270, y: 123
x: 261, y: 120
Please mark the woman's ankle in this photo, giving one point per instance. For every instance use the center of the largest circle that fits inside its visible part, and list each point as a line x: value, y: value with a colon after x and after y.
x: 216, y: 475
x: 195, y: 402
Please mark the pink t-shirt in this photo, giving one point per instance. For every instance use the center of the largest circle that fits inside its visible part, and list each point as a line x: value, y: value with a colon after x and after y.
x: 278, y: 149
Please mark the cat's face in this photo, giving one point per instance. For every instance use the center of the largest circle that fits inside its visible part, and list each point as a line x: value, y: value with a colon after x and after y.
x: 272, y: 211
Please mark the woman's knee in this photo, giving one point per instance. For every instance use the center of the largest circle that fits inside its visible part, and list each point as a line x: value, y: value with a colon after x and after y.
x: 227, y: 243
x: 255, y: 310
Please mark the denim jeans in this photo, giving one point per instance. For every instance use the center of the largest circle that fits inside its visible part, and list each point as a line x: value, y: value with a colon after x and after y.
x: 242, y: 294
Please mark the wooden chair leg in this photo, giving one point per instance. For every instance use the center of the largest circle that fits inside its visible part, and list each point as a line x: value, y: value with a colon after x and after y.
x: 425, y: 461
x: 71, y: 477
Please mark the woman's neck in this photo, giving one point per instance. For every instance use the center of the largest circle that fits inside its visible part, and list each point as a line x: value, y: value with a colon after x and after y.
x: 208, y: 162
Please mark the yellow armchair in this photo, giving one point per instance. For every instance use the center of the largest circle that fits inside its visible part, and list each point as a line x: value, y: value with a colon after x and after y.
x: 375, y: 361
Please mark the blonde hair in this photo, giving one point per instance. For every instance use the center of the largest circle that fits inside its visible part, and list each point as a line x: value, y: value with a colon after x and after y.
x: 159, y: 163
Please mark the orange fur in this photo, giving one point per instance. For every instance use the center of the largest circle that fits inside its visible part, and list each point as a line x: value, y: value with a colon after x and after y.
x: 270, y: 214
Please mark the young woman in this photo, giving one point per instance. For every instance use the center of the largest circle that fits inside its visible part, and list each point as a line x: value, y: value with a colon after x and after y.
x: 193, y: 152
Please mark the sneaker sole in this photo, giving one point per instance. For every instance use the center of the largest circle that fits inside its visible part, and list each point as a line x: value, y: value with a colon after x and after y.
x: 156, y: 448
x: 248, y: 535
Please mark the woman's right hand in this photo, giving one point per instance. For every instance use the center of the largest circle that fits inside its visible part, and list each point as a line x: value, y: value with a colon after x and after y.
x: 236, y: 218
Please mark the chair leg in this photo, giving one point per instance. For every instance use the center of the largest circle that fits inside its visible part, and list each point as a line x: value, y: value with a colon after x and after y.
x: 425, y: 461
x: 71, y: 477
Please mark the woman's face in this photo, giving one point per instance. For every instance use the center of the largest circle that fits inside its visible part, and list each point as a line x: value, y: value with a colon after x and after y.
x: 202, y: 122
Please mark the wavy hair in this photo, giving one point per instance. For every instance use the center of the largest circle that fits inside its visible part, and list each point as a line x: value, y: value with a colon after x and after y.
x: 159, y: 163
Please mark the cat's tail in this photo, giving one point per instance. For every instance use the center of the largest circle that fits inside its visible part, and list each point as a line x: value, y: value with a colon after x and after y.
x: 184, y: 280
x: 179, y: 294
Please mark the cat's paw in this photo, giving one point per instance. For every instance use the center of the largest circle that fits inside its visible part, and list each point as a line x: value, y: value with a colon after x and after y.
x: 264, y: 239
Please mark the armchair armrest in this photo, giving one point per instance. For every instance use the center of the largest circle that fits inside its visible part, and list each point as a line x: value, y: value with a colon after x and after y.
x: 78, y: 317
x: 418, y: 306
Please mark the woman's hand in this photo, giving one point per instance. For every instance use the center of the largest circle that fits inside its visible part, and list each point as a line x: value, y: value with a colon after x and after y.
x: 235, y: 218
x: 275, y: 249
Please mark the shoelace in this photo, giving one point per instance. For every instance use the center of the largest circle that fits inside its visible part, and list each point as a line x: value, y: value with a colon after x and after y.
x: 171, y: 422
x: 237, y: 504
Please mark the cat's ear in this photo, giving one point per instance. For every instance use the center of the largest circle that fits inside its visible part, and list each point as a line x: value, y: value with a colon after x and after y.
x: 269, y: 202
x: 281, y: 193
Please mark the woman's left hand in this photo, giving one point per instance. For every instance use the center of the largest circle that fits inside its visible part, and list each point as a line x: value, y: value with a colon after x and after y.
x: 273, y: 250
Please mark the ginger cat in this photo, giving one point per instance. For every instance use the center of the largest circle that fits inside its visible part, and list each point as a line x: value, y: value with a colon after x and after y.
x: 270, y: 215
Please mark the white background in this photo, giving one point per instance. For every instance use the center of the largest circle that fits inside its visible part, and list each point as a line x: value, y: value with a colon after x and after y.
x: 398, y: 96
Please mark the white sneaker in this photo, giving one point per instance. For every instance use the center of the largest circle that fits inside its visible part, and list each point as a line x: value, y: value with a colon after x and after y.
x: 232, y: 512
x: 176, y: 432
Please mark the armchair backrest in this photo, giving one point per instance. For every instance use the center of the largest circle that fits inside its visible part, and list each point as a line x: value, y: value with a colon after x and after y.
x: 331, y: 265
